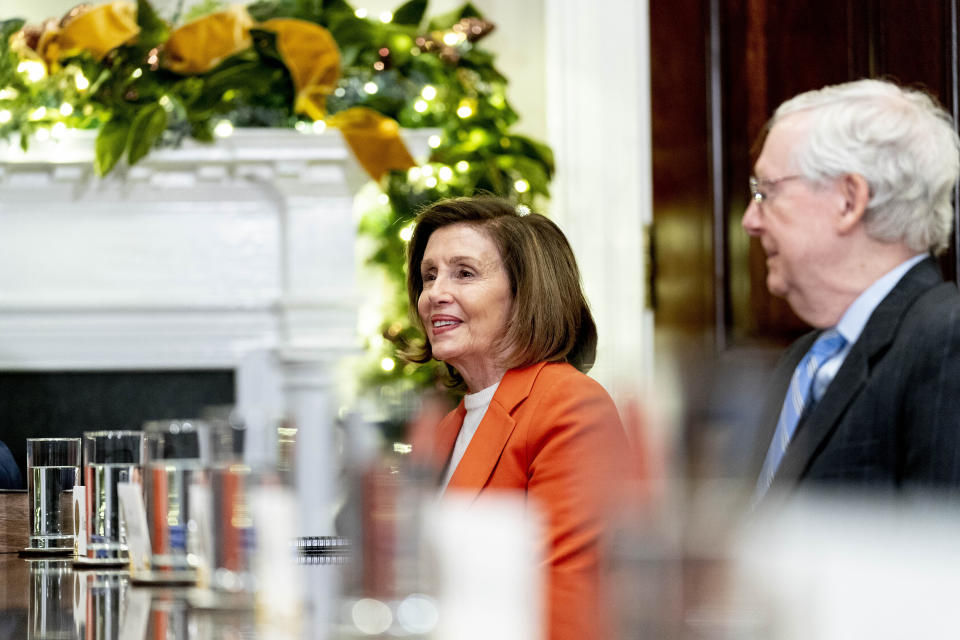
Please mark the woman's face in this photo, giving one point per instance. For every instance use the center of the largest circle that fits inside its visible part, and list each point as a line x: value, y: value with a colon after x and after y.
x: 466, y: 299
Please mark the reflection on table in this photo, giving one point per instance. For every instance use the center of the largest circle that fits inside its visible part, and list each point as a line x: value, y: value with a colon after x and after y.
x: 48, y: 599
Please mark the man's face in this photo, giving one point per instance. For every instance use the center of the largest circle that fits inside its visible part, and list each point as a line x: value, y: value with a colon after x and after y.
x: 794, y: 222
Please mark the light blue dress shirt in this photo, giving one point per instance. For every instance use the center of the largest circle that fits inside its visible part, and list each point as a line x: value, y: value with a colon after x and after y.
x: 855, y: 319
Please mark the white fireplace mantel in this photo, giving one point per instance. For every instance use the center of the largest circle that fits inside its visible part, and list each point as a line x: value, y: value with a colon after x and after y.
x: 236, y: 255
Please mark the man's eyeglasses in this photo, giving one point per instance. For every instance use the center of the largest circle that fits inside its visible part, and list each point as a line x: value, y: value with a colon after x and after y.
x: 758, y: 187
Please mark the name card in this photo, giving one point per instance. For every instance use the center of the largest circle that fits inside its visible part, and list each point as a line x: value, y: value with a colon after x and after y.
x: 135, y: 516
x: 80, y: 520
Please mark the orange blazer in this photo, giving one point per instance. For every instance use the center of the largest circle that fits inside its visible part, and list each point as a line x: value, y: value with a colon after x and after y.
x: 555, y: 433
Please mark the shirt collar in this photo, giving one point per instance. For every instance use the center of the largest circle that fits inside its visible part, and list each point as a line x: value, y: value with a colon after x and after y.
x: 855, y: 317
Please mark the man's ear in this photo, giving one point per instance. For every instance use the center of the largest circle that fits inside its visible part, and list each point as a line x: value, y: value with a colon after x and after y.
x: 856, y: 195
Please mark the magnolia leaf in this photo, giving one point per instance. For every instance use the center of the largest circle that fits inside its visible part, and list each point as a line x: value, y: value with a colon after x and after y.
x: 264, y: 10
x: 265, y: 42
x: 7, y: 29
x: 147, y: 127
x: 410, y: 13
x: 153, y: 30
x: 529, y: 169
x: 111, y: 142
x: 336, y: 5
x: 447, y: 20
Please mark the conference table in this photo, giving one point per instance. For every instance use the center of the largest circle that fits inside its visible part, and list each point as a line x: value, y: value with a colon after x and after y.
x: 48, y: 598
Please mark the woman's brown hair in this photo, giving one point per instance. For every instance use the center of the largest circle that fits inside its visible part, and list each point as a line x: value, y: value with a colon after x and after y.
x: 550, y: 319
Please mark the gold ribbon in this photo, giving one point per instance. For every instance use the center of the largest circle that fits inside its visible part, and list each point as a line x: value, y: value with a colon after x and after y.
x: 375, y: 140
x: 98, y: 30
x: 313, y: 59
x: 202, y: 44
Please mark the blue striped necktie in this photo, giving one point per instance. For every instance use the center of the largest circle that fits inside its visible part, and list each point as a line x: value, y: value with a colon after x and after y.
x: 825, y: 347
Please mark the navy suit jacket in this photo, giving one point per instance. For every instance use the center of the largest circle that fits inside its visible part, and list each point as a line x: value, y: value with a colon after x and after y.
x: 890, y: 419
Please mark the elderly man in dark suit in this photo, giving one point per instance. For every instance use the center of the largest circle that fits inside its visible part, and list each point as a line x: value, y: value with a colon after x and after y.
x: 851, y: 197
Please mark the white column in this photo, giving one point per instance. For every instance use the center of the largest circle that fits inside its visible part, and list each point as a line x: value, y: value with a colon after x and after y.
x: 598, y: 114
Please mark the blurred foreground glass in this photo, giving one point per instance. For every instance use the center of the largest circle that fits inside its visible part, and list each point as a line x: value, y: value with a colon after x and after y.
x: 174, y: 463
x: 226, y: 525
x: 109, y: 457
x: 231, y: 528
x: 53, y: 468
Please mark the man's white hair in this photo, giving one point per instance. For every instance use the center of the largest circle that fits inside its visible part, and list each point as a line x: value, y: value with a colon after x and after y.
x: 900, y: 140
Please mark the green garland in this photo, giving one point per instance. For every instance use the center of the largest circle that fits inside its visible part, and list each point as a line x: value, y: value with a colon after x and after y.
x: 422, y: 72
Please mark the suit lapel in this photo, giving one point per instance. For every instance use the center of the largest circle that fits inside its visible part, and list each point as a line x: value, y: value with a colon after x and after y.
x: 819, y: 423
x: 487, y: 444
x: 446, y: 437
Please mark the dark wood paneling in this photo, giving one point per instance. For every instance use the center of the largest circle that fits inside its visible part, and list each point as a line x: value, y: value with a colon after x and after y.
x: 681, y: 173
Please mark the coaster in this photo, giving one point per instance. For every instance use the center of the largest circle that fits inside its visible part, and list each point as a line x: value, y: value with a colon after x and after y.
x: 29, y: 552
x: 100, y: 563
x: 168, y: 578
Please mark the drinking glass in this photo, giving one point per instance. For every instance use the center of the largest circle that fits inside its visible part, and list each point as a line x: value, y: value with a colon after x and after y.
x: 175, y: 461
x: 53, y: 468
x: 109, y: 457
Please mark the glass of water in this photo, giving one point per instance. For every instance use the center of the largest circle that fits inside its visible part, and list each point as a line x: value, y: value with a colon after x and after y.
x: 176, y: 451
x: 53, y: 468
x: 109, y: 457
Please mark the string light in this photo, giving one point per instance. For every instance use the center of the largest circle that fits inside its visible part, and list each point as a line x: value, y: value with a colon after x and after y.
x: 464, y: 110
x: 360, y: 13
x: 302, y: 126
x: 223, y: 129
x: 137, y: 73
x: 426, y: 170
x: 388, y: 364
x: 81, y: 81
x: 445, y: 174
x: 413, y: 174
x: 319, y: 126
x: 386, y: 17
x: 8, y: 94
x: 434, y: 141
x: 371, y: 88
x: 66, y: 109
x: 406, y: 233
x: 34, y: 70
x: 523, y: 209
x: 521, y: 186
x: 452, y: 39
x: 5, y: 116
x: 462, y: 166
x: 429, y: 92
x: 431, y: 182
x: 420, y: 106
x: 38, y: 113
x: 383, y: 199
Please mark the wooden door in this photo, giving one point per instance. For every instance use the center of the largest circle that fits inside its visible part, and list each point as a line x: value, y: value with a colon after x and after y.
x: 718, y: 70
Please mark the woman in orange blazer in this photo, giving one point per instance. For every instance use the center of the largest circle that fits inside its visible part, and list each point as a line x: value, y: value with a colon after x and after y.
x: 498, y: 297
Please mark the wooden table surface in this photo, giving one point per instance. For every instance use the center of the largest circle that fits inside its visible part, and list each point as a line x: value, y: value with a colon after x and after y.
x: 48, y: 598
